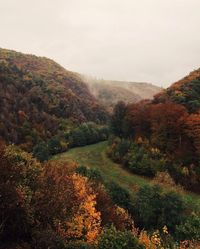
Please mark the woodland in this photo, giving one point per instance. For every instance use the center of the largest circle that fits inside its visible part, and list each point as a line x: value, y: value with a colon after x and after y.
x: 48, y: 201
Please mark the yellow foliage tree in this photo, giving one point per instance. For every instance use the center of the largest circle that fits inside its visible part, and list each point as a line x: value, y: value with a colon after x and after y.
x: 67, y: 203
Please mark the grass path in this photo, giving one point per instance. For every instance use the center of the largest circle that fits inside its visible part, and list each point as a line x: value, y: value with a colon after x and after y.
x: 94, y: 156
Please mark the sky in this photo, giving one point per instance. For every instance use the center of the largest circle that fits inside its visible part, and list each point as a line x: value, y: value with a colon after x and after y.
x: 156, y: 41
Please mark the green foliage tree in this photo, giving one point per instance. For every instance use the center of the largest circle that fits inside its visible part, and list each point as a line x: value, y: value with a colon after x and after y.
x: 54, y: 145
x: 189, y: 229
x: 117, y: 119
x: 41, y: 152
x: 113, y: 239
x: 92, y: 174
x: 119, y: 195
x: 154, y: 208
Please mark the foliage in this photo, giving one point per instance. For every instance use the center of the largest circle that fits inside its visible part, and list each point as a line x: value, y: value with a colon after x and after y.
x: 117, y: 119
x: 41, y: 152
x: 91, y: 174
x: 72, y: 212
x: 119, y: 195
x: 189, y: 229
x: 87, y: 133
x: 113, y: 239
x: 18, y: 175
x: 47, y: 239
x: 36, y: 96
x: 161, y: 136
x: 136, y: 157
x: 154, y: 208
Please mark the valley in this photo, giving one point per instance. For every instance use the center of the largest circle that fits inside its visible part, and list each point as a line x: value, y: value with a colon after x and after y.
x: 94, y: 156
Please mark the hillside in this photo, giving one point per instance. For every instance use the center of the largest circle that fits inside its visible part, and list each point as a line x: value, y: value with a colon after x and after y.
x: 94, y: 156
x: 185, y: 91
x: 111, y: 92
x: 170, y: 124
x: 37, y: 95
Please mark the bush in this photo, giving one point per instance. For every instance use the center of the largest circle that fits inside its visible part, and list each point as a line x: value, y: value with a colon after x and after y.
x: 112, y: 239
x: 54, y: 145
x: 119, y: 195
x: 47, y: 239
x: 189, y: 229
x: 92, y: 174
x: 87, y: 133
x: 79, y: 245
x: 41, y: 152
x: 137, y: 158
x: 153, y: 208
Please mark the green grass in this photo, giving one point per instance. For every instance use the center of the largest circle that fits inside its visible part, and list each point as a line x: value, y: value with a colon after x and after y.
x: 94, y: 156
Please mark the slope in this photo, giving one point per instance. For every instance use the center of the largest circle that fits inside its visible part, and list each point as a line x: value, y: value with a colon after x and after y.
x: 110, y: 92
x: 36, y: 96
x: 185, y: 91
x: 94, y: 156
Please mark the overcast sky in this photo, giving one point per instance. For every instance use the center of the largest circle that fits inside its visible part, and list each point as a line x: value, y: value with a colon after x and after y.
x: 155, y: 41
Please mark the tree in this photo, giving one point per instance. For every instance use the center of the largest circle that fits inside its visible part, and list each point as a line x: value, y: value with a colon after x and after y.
x: 54, y: 145
x: 112, y: 239
x: 189, y: 229
x: 138, y: 119
x: 167, y: 125
x: 66, y: 203
x: 117, y: 119
x: 193, y: 130
x: 18, y: 180
x: 154, y: 208
x: 119, y: 195
x: 41, y: 152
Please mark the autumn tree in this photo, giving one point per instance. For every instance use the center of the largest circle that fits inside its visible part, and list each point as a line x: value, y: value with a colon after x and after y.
x: 138, y: 119
x: 167, y: 125
x: 66, y: 202
x: 18, y: 180
x: 193, y: 130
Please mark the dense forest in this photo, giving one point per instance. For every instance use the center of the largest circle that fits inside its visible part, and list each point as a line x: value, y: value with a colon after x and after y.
x: 163, y: 134
x: 39, y: 98
x: 52, y: 203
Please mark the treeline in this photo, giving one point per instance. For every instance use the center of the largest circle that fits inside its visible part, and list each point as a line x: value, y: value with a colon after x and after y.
x: 59, y: 205
x: 84, y: 134
x: 157, y: 137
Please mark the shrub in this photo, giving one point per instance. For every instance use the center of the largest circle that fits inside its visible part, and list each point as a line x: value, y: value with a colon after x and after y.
x: 119, y: 195
x: 92, y: 174
x: 41, y: 152
x: 154, y: 208
x: 189, y: 229
x: 112, y: 239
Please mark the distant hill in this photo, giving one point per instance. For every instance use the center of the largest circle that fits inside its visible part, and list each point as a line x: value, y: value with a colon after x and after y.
x: 110, y: 92
x: 185, y: 91
x: 38, y: 96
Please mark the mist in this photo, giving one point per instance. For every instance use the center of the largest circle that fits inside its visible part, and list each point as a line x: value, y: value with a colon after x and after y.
x: 152, y: 41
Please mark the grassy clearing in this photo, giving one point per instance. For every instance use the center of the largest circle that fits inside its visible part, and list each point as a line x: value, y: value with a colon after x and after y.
x: 94, y: 156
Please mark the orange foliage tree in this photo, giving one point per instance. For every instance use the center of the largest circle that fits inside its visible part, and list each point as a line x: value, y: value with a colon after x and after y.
x: 193, y: 130
x: 167, y: 125
x: 66, y: 202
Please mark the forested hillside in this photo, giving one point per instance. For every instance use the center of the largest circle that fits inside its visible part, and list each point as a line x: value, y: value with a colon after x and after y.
x: 135, y: 190
x: 38, y: 97
x: 163, y: 134
x: 110, y: 92
x: 185, y: 92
